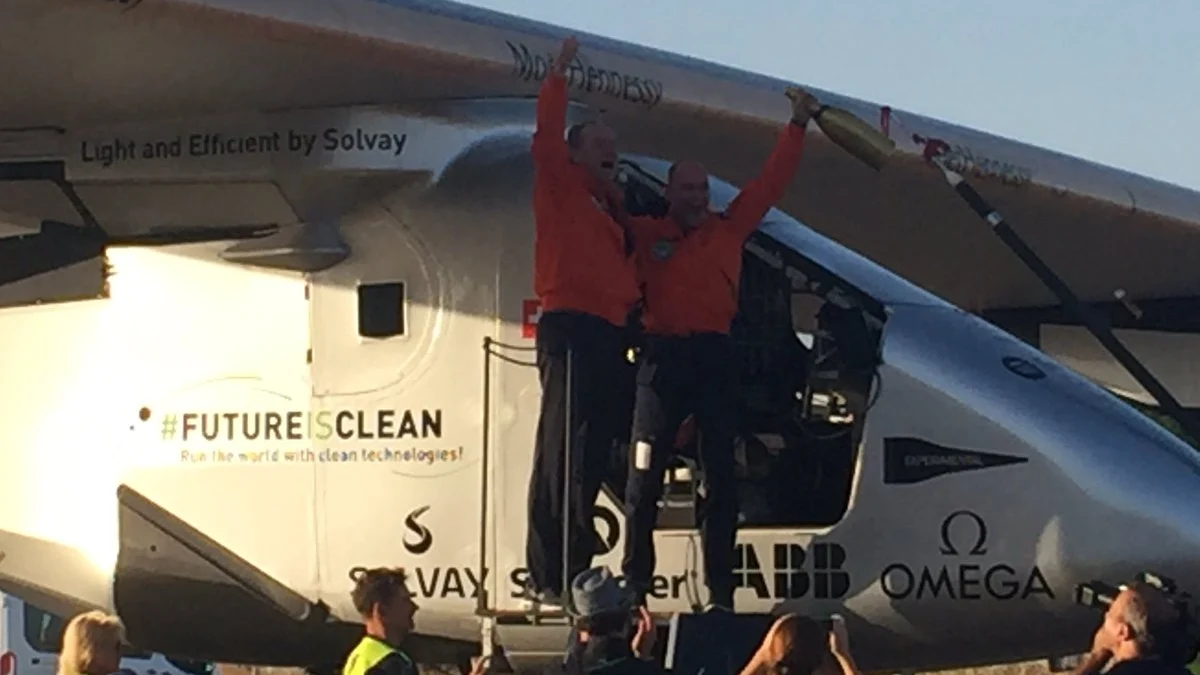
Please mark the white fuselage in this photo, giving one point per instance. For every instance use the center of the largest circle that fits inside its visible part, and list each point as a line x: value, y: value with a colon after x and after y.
x: 247, y: 403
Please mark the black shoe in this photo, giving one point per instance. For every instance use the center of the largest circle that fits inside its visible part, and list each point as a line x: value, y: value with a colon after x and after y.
x: 544, y: 598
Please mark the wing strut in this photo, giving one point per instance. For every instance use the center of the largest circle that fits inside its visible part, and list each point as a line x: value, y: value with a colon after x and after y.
x: 872, y: 148
x: 1095, y: 324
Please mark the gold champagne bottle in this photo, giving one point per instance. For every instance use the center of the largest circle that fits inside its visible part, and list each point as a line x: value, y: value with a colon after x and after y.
x: 853, y: 135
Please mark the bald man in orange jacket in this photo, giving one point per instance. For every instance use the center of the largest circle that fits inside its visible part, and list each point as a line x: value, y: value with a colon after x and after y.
x: 690, y: 263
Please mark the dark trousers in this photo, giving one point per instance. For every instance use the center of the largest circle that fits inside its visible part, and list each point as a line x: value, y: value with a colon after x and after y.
x: 677, y: 377
x: 602, y: 398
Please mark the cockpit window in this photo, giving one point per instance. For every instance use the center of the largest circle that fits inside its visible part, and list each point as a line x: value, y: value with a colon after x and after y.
x: 869, y: 277
x: 865, y: 275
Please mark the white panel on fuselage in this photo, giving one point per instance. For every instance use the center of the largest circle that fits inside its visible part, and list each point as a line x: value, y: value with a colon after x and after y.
x: 402, y: 485
x: 213, y: 357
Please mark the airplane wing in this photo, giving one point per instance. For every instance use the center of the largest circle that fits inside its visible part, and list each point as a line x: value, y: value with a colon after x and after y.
x: 79, y: 64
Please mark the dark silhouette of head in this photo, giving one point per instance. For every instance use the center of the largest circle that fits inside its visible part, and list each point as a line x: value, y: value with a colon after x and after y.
x: 794, y: 645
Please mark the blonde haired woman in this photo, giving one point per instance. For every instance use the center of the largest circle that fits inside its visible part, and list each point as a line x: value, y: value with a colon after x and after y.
x: 798, y: 645
x: 91, y: 645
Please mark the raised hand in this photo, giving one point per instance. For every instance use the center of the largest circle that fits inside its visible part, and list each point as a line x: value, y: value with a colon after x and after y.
x: 804, y: 105
x: 566, y: 54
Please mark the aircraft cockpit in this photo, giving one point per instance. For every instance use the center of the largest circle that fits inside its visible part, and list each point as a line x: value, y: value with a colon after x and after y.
x: 808, y: 349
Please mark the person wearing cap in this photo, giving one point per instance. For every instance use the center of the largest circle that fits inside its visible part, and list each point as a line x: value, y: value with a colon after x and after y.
x: 604, y: 621
x: 690, y: 263
x: 585, y: 280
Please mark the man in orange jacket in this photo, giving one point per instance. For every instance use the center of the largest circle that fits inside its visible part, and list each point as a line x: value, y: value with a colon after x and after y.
x: 585, y: 277
x: 690, y: 262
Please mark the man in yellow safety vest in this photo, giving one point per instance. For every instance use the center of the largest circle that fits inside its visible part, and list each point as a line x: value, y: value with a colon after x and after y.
x: 382, y: 597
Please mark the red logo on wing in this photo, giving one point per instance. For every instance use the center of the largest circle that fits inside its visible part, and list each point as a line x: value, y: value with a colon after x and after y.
x: 934, y: 147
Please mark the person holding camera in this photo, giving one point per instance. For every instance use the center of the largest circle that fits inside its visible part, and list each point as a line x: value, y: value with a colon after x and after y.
x: 799, y: 645
x: 1141, y: 635
x: 612, y: 635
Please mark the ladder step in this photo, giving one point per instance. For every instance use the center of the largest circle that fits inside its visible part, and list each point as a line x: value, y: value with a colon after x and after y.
x: 526, y: 616
x: 547, y: 616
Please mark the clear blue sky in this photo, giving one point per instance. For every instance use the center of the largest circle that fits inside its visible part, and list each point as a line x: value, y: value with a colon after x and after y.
x: 1113, y: 81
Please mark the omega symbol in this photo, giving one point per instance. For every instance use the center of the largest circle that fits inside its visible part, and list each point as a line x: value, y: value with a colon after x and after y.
x: 979, y: 548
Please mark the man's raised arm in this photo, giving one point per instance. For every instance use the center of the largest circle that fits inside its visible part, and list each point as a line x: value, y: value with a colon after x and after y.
x: 549, y: 145
x: 761, y: 193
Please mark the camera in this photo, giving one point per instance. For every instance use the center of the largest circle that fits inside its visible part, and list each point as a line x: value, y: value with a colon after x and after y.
x: 1099, y: 595
x: 1096, y: 594
x: 1181, y: 642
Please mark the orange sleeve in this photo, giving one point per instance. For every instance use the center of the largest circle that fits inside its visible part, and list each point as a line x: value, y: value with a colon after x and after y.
x: 760, y: 194
x: 550, y: 152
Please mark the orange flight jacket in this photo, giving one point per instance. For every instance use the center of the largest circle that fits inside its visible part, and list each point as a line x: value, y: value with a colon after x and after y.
x: 691, y: 280
x: 580, y: 258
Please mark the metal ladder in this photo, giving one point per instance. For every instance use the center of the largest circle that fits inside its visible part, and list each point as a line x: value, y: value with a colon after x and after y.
x: 489, y: 616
